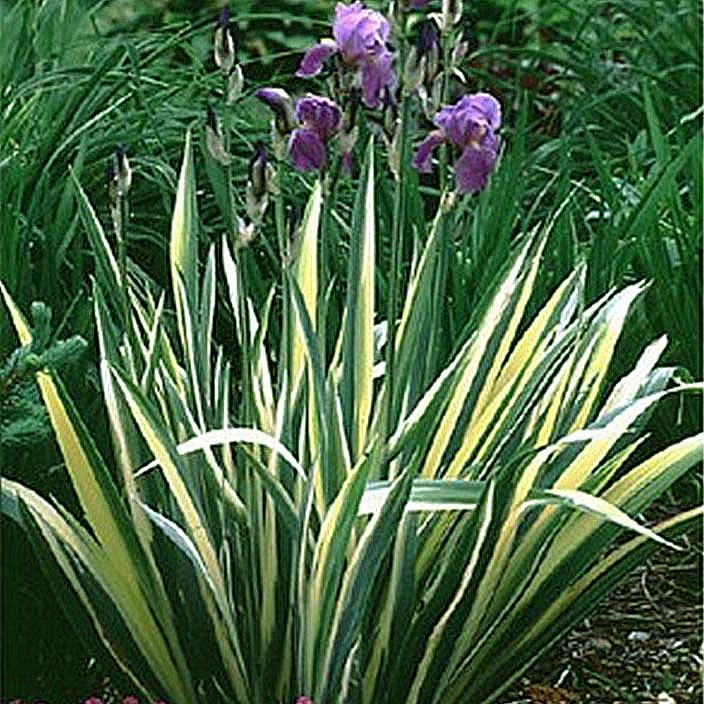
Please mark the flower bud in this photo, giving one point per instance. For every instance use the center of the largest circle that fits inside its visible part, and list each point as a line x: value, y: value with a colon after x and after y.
x: 282, y: 105
x: 258, y: 169
x: 394, y: 153
x: 257, y: 187
x: 246, y: 232
x: 423, y: 95
x: 256, y: 207
x: 432, y: 104
x: 348, y: 138
x: 458, y: 53
x: 390, y: 112
x: 214, y: 138
x: 428, y: 45
x: 413, y: 71
x: 451, y: 14
x: 119, y: 174
x: 235, y: 84
x: 111, y: 179
x: 459, y: 75
x: 449, y: 201
x: 459, y: 10
x: 224, y: 44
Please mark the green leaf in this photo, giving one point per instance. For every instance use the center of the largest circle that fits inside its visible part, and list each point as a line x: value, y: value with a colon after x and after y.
x: 305, y: 273
x: 357, y: 585
x: 358, y: 334
x: 327, y: 569
x: 183, y: 248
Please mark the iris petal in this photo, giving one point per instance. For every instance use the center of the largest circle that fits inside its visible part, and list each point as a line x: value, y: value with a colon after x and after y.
x: 490, y: 108
x: 307, y: 150
x: 377, y: 74
x: 319, y: 114
x: 422, y: 159
x: 473, y: 167
x: 314, y: 58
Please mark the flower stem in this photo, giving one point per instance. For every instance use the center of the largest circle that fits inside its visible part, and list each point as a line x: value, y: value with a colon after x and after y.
x: 446, y: 72
x: 284, y: 255
x: 440, y: 283
x: 120, y: 215
x: 329, y: 184
x: 398, y: 230
x: 238, y: 254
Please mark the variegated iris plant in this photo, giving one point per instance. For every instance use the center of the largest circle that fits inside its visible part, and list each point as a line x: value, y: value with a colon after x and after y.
x: 351, y: 540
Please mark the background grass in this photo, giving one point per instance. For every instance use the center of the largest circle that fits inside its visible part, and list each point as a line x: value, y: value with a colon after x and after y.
x: 602, y: 105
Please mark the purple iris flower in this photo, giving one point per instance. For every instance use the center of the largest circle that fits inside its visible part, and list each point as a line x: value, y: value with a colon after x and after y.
x: 320, y: 120
x: 418, y: 4
x: 313, y: 122
x: 360, y: 37
x: 469, y: 125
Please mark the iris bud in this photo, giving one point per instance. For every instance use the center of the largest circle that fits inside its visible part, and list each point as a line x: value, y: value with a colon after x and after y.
x: 214, y: 138
x: 282, y: 105
x: 257, y: 187
x: 451, y: 14
x: 432, y: 103
x: 414, y: 71
x: 458, y: 53
x: 428, y: 45
x: 224, y: 44
x: 119, y: 174
x: 394, y: 154
x: 246, y: 232
x: 235, y: 84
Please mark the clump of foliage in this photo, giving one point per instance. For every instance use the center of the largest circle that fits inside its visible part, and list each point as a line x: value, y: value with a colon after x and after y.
x: 23, y: 417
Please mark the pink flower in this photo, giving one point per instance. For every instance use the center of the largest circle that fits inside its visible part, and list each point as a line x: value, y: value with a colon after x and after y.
x: 304, y: 700
x: 93, y: 700
x: 130, y: 699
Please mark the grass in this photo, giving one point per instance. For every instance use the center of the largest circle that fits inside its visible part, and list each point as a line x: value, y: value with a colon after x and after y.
x: 605, y: 115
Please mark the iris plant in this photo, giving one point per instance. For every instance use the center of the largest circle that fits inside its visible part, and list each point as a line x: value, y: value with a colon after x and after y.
x: 334, y: 569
